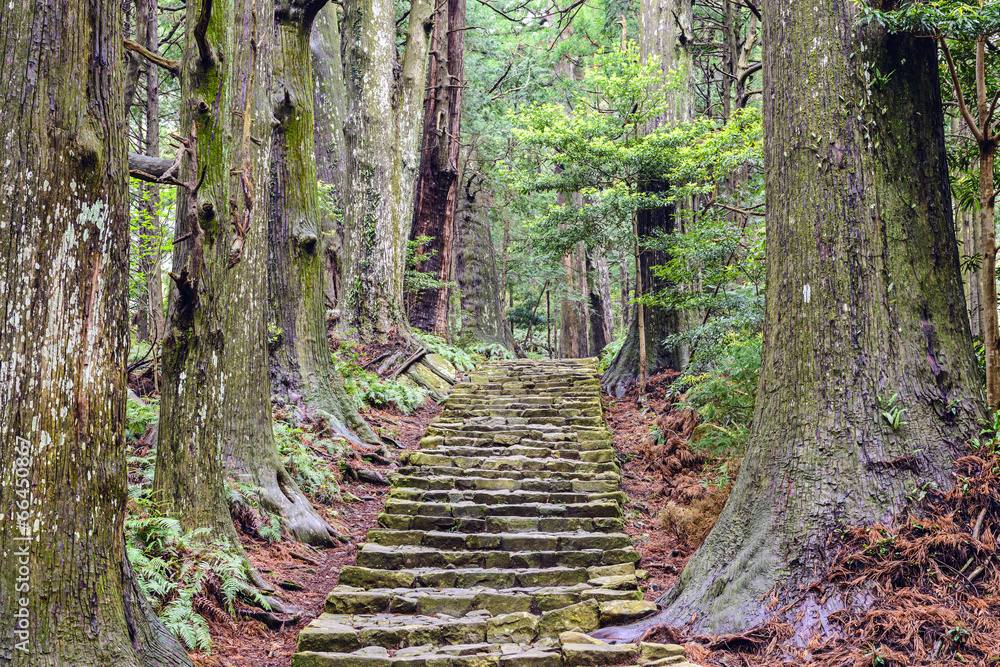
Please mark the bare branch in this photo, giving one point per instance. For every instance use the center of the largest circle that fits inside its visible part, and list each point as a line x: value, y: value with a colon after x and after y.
x: 958, y: 90
x: 201, y: 30
x: 172, y: 66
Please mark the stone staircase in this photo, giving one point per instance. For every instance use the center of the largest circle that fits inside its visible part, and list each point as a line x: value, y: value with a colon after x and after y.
x: 501, y: 543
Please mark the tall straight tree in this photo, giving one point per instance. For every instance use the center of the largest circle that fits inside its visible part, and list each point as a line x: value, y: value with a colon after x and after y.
x: 434, y: 214
x: 382, y: 133
x: 301, y: 356
x: 666, y: 32
x: 66, y: 590
x: 249, y: 453
x: 189, y: 482
x: 865, y: 314
x: 331, y: 154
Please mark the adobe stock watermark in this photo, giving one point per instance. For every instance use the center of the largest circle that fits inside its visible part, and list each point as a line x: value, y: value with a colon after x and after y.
x: 23, y: 501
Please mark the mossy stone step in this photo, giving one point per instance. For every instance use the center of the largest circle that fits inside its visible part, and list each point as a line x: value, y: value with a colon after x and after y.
x: 363, y: 577
x: 403, y: 557
x: 424, y: 478
x: 472, y: 510
x: 512, y: 542
x: 520, y: 450
x: 504, y: 497
x: 460, y: 601
x: 501, y: 524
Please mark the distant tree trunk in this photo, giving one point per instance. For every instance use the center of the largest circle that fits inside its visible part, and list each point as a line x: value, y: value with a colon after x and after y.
x: 66, y: 589
x: 331, y: 154
x: 382, y: 140
x: 665, y: 30
x: 437, y: 182
x: 622, y: 373
x: 476, y: 271
x: 249, y: 453
x: 189, y: 483
x: 151, y: 320
x: 573, y: 310
x: 301, y: 356
x: 602, y: 319
x: 862, y: 283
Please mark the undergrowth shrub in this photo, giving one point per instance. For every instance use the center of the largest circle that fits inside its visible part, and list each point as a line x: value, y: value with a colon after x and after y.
x: 300, y: 453
x: 723, y: 394
x: 186, y: 578
x: 459, y: 358
x: 367, y: 389
x: 609, y: 352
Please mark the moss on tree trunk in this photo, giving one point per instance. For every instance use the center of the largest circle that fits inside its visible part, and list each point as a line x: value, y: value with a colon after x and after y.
x: 67, y: 594
x: 302, y: 366
x: 864, y: 302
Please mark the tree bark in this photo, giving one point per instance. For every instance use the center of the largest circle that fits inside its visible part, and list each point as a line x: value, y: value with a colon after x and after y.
x: 437, y: 182
x: 602, y: 319
x: 864, y: 301
x: 574, y: 322
x: 382, y: 138
x: 249, y: 453
x: 482, y: 305
x: 301, y: 361
x: 66, y: 590
x: 331, y: 154
x: 189, y: 483
x: 152, y: 322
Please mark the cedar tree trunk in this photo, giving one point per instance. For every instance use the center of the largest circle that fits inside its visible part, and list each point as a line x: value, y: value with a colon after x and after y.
x: 864, y: 302
x: 437, y: 182
x: 67, y: 595
x: 303, y: 371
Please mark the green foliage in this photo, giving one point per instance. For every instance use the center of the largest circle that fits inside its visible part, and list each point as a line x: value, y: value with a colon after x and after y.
x: 300, y: 455
x: 459, y: 358
x: 892, y: 413
x: 367, y: 388
x: 416, y: 254
x: 609, y: 352
x: 139, y: 416
x: 179, y: 572
x: 724, y: 393
x: 953, y: 18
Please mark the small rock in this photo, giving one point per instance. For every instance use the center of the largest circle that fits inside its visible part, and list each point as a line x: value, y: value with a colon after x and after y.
x: 571, y: 637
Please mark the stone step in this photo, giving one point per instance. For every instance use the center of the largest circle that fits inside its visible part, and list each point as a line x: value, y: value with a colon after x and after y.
x: 378, y: 556
x: 342, y: 633
x: 461, y: 601
x: 512, y: 542
x: 509, y: 463
x: 429, y: 577
x: 426, y: 479
x: 504, y: 497
x: 609, y: 474
x: 521, y: 450
x: 472, y: 510
x: 502, y: 524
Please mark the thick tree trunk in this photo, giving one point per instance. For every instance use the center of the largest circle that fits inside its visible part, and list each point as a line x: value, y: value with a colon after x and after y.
x: 482, y: 309
x: 602, y: 319
x: 152, y: 321
x: 437, y: 182
x: 864, y: 302
x: 331, y: 155
x: 189, y: 483
x: 575, y: 341
x: 301, y: 355
x: 249, y: 453
x: 382, y: 138
x: 66, y: 590
x: 666, y: 31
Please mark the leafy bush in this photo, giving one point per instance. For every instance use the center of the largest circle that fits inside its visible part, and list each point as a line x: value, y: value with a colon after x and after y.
x: 305, y: 465
x: 609, y: 352
x: 458, y: 357
x: 185, y: 577
x: 405, y: 396
x: 139, y: 416
x: 724, y: 394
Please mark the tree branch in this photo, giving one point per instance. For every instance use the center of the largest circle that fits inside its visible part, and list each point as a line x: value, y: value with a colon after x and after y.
x: 151, y: 169
x: 172, y: 66
x: 201, y: 30
x: 958, y: 90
